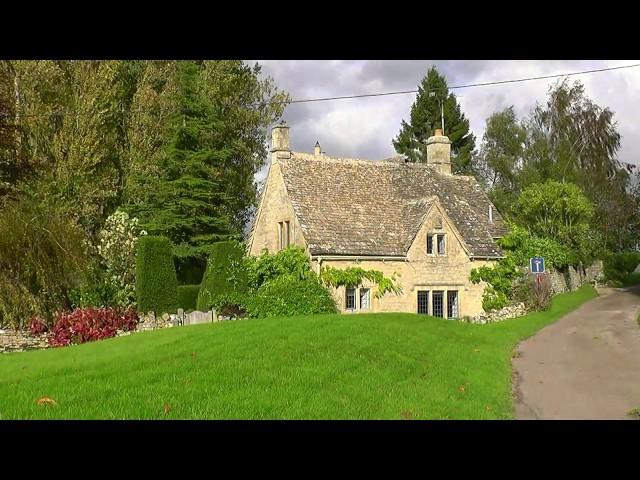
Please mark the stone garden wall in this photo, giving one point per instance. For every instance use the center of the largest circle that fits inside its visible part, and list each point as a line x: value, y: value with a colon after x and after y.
x: 574, y: 278
x: 561, y: 282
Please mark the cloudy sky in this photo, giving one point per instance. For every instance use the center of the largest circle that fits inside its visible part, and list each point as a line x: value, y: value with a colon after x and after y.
x: 365, y: 127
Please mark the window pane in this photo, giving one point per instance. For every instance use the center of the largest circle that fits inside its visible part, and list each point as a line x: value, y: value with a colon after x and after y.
x: 423, y: 302
x: 440, y: 244
x: 351, y: 299
x: 437, y: 310
x: 452, y: 304
x: 429, y: 244
x: 364, y: 299
x: 288, y: 234
x: 279, y: 235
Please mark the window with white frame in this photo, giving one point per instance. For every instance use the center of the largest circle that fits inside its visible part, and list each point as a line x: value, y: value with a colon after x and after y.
x: 452, y: 304
x: 436, y: 244
x: 441, y: 245
x: 365, y: 299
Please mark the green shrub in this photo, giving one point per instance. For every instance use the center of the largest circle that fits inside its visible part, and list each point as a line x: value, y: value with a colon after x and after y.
x: 288, y: 296
x: 156, y: 282
x: 292, y: 261
x: 43, y: 256
x: 190, y: 267
x: 631, y: 279
x: 499, y: 279
x: 117, y: 251
x: 535, y: 295
x: 225, y: 274
x: 188, y: 296
x: 618, y: 265
x: 521, y: 245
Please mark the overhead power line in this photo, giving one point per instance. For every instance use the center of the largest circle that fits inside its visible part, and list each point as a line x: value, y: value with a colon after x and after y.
x: 345, y: 97
x: 455, y: 87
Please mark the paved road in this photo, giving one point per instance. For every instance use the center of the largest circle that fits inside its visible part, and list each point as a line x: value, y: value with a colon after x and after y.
x: 584, y: 366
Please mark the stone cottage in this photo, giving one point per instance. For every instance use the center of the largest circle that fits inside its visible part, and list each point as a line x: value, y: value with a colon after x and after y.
x: 418, y: 221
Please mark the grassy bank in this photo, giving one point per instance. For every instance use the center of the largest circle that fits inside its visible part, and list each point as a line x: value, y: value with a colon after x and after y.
x: 375, y: 366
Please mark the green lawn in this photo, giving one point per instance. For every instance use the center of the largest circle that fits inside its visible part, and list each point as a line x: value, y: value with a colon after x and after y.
x: 376, y: 366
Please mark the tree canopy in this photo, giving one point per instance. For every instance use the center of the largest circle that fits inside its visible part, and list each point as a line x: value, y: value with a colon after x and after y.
x: 426, y: 116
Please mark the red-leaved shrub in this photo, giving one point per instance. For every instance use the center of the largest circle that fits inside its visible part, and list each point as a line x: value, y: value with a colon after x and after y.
x: 89, y: 324
x: 37, y: 326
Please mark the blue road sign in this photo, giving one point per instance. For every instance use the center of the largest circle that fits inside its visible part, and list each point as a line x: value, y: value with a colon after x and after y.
x: 536, y: 265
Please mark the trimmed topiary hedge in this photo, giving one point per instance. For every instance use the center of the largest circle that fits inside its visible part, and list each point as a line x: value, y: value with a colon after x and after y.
x: 224, y: 274
x: 286, y: 296
x: 188, y: 296
x: 156, y: 282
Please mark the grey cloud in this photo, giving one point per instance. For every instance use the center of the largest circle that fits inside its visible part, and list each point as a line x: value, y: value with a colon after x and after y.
x: 366, y: 127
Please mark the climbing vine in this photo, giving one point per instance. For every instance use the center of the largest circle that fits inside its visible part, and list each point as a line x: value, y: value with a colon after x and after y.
x: 353, y: 276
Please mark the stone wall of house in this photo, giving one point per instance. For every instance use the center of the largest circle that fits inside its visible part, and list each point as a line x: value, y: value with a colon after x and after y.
x: 422, y: 272
x: 276, y: 208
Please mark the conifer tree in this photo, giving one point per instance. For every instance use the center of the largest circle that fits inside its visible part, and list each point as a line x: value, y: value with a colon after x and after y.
x: 186, y: 200
x: 426, y: 117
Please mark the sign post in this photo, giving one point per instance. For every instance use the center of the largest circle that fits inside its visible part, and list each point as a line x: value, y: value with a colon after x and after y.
x: 536, y: 265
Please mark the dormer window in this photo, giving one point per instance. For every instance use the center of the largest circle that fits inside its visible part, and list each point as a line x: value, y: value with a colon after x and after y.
x: 436, y: 244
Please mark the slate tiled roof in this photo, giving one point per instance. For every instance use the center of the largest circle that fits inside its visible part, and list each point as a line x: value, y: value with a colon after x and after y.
x: 364, y: 207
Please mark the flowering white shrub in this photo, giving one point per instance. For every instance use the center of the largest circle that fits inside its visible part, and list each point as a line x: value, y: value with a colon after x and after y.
x: 117, y: 249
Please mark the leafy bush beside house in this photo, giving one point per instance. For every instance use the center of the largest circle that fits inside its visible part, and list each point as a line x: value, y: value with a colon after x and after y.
x: 286, y: 296
x: 156, y: 282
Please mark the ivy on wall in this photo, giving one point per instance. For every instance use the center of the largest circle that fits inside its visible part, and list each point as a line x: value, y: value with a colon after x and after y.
x: 351, y: 277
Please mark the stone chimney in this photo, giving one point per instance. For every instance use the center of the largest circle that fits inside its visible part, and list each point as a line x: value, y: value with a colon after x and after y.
x: 280, y: 147
x: 439, y: 152
x: 317, y: 151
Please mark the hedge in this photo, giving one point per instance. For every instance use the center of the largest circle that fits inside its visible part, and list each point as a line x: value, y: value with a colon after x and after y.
x: 188, y: 296
x: 156, y: 282
x: 222, y: 277
x: 620, y: 264
x: 287, y: 296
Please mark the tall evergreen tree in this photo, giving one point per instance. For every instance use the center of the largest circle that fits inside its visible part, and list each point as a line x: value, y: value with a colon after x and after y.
x: 196, y: 139
x: 426, y: 117
x: 188, y: 203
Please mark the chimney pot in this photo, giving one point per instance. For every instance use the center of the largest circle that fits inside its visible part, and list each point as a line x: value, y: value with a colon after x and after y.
x: 317, y: 150
x: 438, y: 132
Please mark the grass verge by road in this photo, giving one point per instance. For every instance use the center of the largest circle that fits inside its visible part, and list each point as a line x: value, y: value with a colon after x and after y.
x: 375, y: 366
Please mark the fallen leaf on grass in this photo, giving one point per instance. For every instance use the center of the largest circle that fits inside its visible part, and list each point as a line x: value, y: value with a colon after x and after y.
x: 461, y: 388
x: 476, y: 350
x: 406, y: 415
x: 194, y: 354
x: 47, y: 401
x: 166, y: 409
x: 488, y: 408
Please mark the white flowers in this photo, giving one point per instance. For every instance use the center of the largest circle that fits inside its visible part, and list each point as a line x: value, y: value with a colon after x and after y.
x: 117, y: 250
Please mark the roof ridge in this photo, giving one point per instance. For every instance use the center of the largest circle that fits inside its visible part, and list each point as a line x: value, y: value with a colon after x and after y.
x: 384, y: 162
